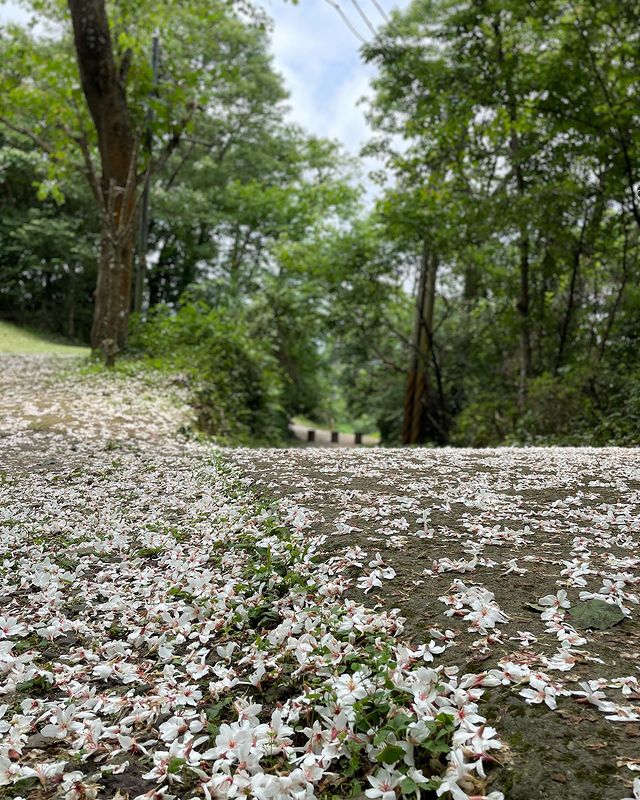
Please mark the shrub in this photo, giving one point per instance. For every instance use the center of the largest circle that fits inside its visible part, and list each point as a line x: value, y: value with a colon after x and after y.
x: 234, y: 379
x: 483, y: 423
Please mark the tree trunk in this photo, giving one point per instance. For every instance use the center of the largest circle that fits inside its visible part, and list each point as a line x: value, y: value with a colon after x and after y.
x: 143, y: 243
x: 515, y: 157
x: 523, y: 304
x: 103, y: 84
x: 566, y: 322
x: 112, y: 295
x: 71, y: 305
x: 412, y: 373
x: 417, y: 390
x: 584, y: 246
x: 523, y: 311
x: 471, y: 288
x: 616, y: 305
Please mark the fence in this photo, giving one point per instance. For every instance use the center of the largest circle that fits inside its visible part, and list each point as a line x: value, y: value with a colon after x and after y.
x: 335, y: 437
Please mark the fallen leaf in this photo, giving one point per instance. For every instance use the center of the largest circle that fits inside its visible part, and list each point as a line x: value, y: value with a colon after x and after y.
x: 482, y: 657
x: 562, y: 712
x: 597, y: 614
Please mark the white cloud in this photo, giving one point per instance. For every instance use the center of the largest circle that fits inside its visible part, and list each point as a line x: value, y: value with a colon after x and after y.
x: 11, y: 12
x: 320, y: 60
x: 348, y: 122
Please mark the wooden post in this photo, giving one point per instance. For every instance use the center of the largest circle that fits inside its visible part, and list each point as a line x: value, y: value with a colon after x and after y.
x: 358, y: 438
x: 311, y: 436
x: 335, y: 435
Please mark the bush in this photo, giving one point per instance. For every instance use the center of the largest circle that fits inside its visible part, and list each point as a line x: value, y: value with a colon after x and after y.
x: 234, y: 379
x: 582, y: 406
x: 483, y: 423
x: 560, y: 410
x: 619, y: 422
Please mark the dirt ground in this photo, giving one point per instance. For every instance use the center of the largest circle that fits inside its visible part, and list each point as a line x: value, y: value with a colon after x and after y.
x: 436, y: 516
x: 515, y: 524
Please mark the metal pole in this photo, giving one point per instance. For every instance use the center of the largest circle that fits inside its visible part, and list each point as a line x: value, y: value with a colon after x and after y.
x: 143, y: 239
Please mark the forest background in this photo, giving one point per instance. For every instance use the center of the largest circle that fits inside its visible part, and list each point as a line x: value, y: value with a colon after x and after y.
x: 488, y: 296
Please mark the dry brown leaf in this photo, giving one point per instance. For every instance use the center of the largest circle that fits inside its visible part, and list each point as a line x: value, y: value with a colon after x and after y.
x: 573, y: 717
x: 632, y: 763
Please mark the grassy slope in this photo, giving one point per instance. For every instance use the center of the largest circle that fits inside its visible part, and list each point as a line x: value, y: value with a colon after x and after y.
x: 19, y: 340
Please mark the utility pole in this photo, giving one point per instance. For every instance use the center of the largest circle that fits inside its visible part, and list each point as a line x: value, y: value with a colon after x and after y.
x: 143, y: 235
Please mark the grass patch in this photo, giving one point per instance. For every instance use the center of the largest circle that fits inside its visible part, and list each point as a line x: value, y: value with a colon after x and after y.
x: 20, y: 340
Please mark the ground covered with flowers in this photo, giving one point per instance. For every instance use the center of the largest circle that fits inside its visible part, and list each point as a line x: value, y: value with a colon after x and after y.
x: 179, y: 621
x: 511, y: 555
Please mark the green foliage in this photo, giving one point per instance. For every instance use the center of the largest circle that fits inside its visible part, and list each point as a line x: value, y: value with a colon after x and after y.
x: 503, y: 128
x: 507, y: 133
x: 594, y: 407
x: 233, y: 378
x: 365, y: 316
x: 47, y: 258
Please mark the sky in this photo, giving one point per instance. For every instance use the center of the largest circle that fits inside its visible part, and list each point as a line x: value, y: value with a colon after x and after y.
x: 319, y: 58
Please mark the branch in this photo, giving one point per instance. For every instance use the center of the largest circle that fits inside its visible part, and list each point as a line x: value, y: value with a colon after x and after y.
x: 175, y: 139
x: 222, y: 150
x: 130, y: 202
x: 89, y: 169
x: 186, y: 156
x: 397, y: 333
x: 618, y: 300
x: 622, y: 138
x: 29, y: 134
x: 375, y: 350
x: 201, y: 142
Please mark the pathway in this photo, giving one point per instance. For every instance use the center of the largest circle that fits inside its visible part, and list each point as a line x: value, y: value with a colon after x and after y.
x: 322, y: 437
x: 473, y: 540
x: 151, y: 613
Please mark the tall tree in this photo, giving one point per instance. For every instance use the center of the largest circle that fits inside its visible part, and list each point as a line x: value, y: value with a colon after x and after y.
x: 104, y: 87
x: 97, y: 124
x: 508, y: 131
